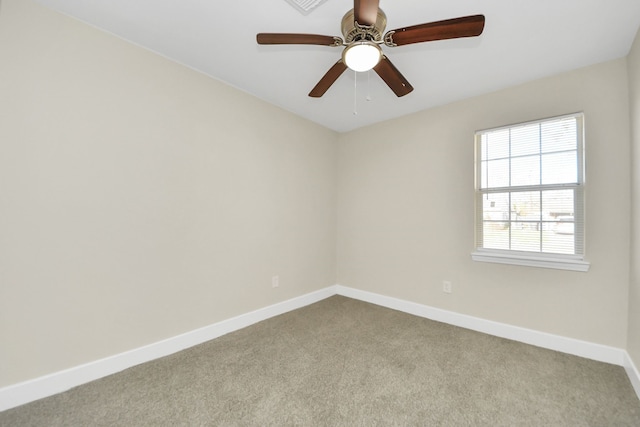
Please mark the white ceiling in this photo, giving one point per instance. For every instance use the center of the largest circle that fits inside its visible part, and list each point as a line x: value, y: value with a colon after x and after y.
x: 523, y: 40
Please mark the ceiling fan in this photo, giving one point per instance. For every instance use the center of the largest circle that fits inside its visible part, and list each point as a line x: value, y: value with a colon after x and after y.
x: 362, y: 28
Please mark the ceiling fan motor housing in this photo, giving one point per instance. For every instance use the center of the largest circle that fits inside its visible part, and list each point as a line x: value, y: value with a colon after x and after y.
x: 352, y: 31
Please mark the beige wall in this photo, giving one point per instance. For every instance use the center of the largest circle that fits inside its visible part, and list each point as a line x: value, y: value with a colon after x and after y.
x: 140, y: 199
x: 406, y: 203
x: 634, y: 291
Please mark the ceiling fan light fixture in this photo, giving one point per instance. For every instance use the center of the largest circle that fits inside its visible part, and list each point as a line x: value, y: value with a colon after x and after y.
x: 362, y: 55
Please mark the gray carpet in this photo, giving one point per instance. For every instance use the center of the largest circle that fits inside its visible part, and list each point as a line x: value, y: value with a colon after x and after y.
x: 343, y: 362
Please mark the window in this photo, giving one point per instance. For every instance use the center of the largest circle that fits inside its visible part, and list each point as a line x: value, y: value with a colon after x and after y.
x: 530, y: 194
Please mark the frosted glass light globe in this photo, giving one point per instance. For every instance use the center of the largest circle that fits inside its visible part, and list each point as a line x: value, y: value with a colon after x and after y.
x: 362, y: 55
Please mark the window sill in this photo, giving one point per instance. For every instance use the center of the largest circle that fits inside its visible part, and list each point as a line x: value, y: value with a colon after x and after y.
x: 531, y: 260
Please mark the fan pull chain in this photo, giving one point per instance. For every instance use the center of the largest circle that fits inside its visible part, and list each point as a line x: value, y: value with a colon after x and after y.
x: 368, y: 98
x: 355, y: 93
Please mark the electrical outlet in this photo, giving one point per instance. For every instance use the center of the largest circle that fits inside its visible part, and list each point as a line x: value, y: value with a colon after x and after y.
x: 275, y: 281
x: 446, y: 287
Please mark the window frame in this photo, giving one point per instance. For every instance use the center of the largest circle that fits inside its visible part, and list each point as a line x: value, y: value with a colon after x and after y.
x: 573, y: 262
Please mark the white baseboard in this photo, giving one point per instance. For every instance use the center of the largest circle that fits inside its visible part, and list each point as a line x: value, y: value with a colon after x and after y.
x: 580, y: 348
x: 29, y: 391
x: 633, y: 373
x: 57, y: 382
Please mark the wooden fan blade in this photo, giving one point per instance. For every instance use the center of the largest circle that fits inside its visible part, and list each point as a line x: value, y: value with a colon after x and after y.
x: 289, y: 38
x: 392, y: 77
x: 328, y: 79
x: 366, y: 11
x: 468, y: 26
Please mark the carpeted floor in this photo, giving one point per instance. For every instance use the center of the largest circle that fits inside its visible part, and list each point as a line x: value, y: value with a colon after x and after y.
x: 342, y: 362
